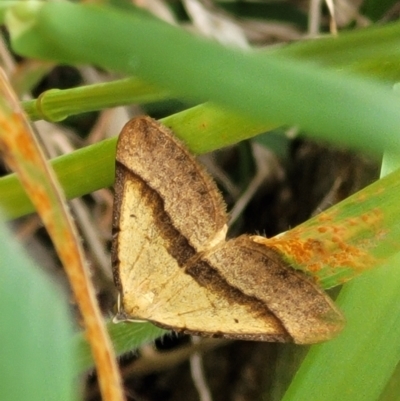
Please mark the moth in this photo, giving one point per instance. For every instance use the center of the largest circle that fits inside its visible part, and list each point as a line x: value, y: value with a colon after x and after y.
x: 173, y: 266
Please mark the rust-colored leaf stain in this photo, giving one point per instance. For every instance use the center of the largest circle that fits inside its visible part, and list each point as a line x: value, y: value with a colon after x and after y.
x: 24, y: 146
x: 22, y: 153
x: 329, y: 242
x: 15, y: 140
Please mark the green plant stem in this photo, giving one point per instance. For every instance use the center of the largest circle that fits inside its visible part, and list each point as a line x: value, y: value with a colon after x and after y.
x: 56, y: 105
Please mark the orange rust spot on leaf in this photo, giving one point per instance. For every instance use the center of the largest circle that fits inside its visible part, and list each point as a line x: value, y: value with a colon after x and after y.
x: 16, y: 141
x: 342, y: 243
x: 324, y: 217
x: 365, y: 218
x: 314, y: 268
x: 361, y: 197
x: 69, y: 258
x: 25, y: 146
x: 40, y: 198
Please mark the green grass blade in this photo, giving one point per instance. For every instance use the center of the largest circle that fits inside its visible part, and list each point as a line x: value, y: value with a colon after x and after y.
x: 375, y: 53
x: 270, y: 88
x: 125, y: 337
x: 357, y: 365
x: 91, y: 168
x: 203, y: 128
x: 355, y: 235
x: 37, y: 352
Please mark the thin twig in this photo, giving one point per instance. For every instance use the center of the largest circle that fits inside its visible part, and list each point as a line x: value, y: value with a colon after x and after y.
x: 198, y: 376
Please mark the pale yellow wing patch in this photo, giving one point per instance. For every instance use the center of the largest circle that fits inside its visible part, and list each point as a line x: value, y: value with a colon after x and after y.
x: 155, y: 287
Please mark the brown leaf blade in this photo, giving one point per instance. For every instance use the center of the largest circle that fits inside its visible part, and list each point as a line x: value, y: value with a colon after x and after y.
x: 23, y: 154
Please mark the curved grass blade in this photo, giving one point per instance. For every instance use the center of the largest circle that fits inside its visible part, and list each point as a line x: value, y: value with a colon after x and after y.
x: 357, y: 364
x: 268, y: 88
x: 125, y: 337
x: 203, y: 128
x: 23, y: 154
x: 355, y: 235
x: 36, y: 331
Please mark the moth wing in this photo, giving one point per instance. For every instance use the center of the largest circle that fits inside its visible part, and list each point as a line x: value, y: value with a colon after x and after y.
x: 259, y: 273
x: 190, y: 197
